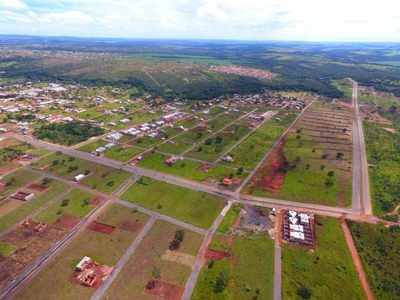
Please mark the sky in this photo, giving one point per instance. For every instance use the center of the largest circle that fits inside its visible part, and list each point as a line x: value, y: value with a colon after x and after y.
x: 262, y: 20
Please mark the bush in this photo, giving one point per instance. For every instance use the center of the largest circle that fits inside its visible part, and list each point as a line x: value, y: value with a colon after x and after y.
x: 221, y: 282
x: 331, y: 173
x: 64, y: 203
x: 179, y: 235
x: 305, y: 292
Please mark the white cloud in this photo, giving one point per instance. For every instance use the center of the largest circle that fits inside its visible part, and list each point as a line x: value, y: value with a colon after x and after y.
x: 13, y: 4
x: 14, y: 16
x: 71, y: 16
x: 213, y: 11
x: 32, y: 14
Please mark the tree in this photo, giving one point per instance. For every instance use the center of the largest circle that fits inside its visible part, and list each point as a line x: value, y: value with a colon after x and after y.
x: 46, y: 180
x: 240, y: 171
x: 64, y: 203
x: 208, y: 141
x: 221, y: 282
x: 200, y: 149
x: 179, y: 235
x: 339, y: 155
x: 156, y: 273
x: 218, y: 139
x: 329, y: 182
x: 305, y: 292
x: 331, y: 173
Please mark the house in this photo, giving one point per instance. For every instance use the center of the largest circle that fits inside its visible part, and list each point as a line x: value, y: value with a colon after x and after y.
x: 83, y: 263
x: 227, y: 181
x: 23, y: 196
x: 229, y: 158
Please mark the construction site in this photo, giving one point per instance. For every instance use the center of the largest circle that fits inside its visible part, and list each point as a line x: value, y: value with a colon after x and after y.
x: 298, y: 227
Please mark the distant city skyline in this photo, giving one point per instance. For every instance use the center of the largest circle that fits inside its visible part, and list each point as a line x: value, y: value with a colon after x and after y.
x: 263, y: 20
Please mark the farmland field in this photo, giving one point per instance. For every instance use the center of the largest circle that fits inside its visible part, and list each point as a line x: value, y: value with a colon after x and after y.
x: 190, y: 206
x: 104, y: 248
x: 378, y: 247
x: 313, y: 163
x: 145, y: 265
x: 248, y: 263
x: 102, y: 178
x: 328, y: 270
x: 41, y: 198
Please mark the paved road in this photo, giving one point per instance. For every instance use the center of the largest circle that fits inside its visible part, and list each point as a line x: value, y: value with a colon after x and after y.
x: 360, y: 161
x: 277, y: 270
x: 199, y: 261
x: 100, y: 292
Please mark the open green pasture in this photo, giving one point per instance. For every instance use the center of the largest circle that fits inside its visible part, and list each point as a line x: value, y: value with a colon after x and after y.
x: 190, y: 206
x: 145, y: 116
x: 17, y: 180
x: 252, y: 149
x: 186, y: 168
x: 386, y: 99
x: 6, y: 249
x: 249, y: 270
x: 144, y: 265
x: 215, y: 146
x: 328, y: 270
x: 76, y: 206
x: 102, y: 178
x: 118, y: 153
x: 103, y: 248
x: 89, y: 113
x: 55, y: 188
x: 146, y: 142
x: 378, y: 247
x: 108, y: 117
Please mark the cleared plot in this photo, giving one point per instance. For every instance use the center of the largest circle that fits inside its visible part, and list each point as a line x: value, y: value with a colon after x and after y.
x: 386, y: 99
x: 260, y: 141
x: 187, y: 205
x: 378, y: 247
x: 327, y: 269
x: 16, y: 180
x: 89, y: 113
x: 146, y: 142
x: 102, y: 178
x: 187, y: 168
x: 184, y: 141
x: 74, y: 203
x: 215, y: 146
x: 145, y: 264
x: 93, y: 146
x: 122, y: 152
x: 245, y: 260
x: 103, y: 248
x: 29, y: 247
x: 27, y: 207
x: 313, y: 163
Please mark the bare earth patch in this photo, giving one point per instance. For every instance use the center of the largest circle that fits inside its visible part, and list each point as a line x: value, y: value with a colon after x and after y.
x: 164, y: 290
x: 100, y: 272
x: 37, y: 187
x: 392, y: 130
x: 96, y: 200
x: 130, y: 226
x: 100, y: 227
x: 180, y: 258
x: 67, y: 221
x: 10, y: 206
x: 215, y: 255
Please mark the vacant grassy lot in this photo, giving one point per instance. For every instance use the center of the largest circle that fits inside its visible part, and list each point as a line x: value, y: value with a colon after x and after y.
x: 315, y: 164
x: 102, y: 178
x: 183, y: 204
x: 76, y: 206
x: 17, y: 180
x: 93, y: 146
x: 184, y: 141
x: 6, y: 249
x: 106, y: 249
x: 143, y: 263
x: 378, y: 248
x: 186, y: 168
x: 260, y: 141
x: 121, y: 154
x: 21, y: 212
x: 328, y: 270
x: 249, y: 270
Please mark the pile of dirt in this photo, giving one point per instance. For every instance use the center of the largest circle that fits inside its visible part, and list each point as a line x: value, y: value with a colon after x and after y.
x: 204, y: 168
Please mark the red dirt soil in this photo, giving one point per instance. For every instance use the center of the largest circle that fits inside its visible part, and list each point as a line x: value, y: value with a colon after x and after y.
x: 356, y: 259
x: 37, y: 187
x: 164, y: 289
x: 215, y: 255
x: 271, y: 178
x: 101, y: 271
x: 67, y: 221
x: 100, y: 227
x: 96, y: 200
x: 130, y: 226
x: 29, y: 225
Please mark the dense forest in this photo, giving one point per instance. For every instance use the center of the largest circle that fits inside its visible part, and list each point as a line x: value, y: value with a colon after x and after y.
x: 69, y: 133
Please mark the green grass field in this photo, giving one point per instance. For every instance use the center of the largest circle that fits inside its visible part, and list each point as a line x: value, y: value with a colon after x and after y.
x: 105, y: 249
x: 186, y: 168
x: 328, y: 271
x: 183, y: 204
x: 6, y: 249
x: 120, y: 154
x: 93, y: 146
x: 17, y: 180
x: 102, y: 178
x: 75, y: 207
x: 8, y: 220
